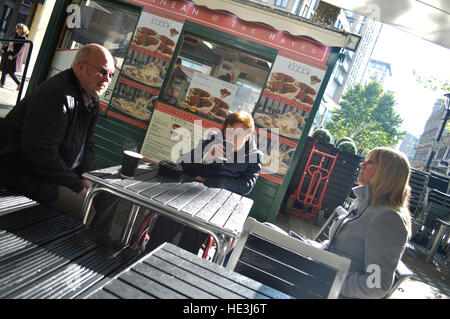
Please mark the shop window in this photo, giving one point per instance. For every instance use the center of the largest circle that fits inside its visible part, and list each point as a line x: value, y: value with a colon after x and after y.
x: 108, y: 24
x: 7, y: 11
x: 219, y: 71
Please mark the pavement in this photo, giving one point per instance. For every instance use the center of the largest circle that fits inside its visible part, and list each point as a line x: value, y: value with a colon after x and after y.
x: 429, y: 280
x: 8, y: 94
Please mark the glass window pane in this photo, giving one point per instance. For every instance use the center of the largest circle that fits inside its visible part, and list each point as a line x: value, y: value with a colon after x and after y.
x: 231, y: 76
x: 105, y: 24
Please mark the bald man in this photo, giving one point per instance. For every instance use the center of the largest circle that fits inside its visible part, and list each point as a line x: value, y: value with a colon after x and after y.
x: 49, y: 142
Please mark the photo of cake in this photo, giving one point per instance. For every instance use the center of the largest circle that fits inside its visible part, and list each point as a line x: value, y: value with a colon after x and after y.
x: 151, y: 40
x: 203, y: 101
x: 150, y: 74
x: 289, y: 124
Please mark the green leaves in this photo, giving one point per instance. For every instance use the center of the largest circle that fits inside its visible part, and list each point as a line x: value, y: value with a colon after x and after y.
x: 432, y: 82
x: 367, y: 114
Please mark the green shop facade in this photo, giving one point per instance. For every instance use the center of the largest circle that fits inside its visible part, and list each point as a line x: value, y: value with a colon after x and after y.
x: 181, y: 66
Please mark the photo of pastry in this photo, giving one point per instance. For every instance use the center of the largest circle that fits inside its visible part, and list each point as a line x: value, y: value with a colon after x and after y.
x: 151, y: 74
x: 200, y: 100
x: 286, y: 86
x: 289, y: 124
x: 156, y: 36
x: 140, y: 108
x: 294, y: 83
x: 276, y: 161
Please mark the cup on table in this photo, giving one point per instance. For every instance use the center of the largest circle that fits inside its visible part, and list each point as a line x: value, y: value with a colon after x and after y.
x: 130, y: 163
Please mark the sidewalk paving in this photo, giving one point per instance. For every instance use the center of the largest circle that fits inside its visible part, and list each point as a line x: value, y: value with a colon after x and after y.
x: 429, y: 280
x: 8, y: 94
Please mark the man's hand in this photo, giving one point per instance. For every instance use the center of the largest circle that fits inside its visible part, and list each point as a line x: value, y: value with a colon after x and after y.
x: 215, y: 151
x: 83, y: 192
x: 86, y: 184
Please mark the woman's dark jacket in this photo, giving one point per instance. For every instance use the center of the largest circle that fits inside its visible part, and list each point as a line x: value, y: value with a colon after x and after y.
x: 237, y: 175
x: 44, y: 135
x: 14, y: 65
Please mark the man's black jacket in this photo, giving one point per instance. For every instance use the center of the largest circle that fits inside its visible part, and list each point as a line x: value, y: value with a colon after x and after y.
x: 44, y: 135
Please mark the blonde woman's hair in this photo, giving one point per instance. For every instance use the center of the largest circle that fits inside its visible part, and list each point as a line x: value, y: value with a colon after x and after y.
x: 389, y: 185
x: 23, y: 27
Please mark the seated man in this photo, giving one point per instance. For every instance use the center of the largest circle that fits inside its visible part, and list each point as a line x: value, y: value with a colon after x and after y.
x: 238, y: 174
x: 49, y: 136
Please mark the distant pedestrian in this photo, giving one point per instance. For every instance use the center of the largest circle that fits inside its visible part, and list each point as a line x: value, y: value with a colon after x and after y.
x: 12, y: 56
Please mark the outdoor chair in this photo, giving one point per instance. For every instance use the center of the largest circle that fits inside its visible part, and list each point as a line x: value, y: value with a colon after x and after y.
x: 437, y: 205
x: 323, y: 232
x: 401, y: 273
x: 287, y: 264
x: 418, y: 182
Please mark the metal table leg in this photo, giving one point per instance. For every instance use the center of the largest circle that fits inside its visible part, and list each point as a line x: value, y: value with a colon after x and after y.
x: 87, y: 203
x: 436, y: 242
x: 223, y: 244
x: 126, y: 235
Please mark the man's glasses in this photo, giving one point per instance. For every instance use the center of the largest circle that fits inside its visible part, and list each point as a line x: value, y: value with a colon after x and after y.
x: 101, y: 71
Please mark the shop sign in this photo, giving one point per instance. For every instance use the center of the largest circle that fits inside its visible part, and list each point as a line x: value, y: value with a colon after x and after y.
x: 306, y: 48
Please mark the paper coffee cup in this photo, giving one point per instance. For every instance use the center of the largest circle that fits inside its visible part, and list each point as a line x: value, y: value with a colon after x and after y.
x: 130, y: 163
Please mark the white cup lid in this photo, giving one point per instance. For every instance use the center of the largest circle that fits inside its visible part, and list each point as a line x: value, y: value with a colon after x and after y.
x: 133, y: 154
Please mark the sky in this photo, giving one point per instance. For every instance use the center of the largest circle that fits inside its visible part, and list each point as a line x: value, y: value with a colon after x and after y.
x: 407, y: 52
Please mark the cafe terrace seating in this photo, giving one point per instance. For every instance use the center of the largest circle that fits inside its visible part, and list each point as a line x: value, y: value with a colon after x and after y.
x: 286, y: 264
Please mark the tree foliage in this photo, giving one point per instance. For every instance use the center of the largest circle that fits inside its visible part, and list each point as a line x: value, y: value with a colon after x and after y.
x: 432, y: 82
x: 367, y: 115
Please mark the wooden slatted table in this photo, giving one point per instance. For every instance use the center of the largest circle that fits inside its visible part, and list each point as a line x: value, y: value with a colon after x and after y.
x: 215, y: 211
x: 11, y: 202
x: 170, y: 272
x: 46, y: 255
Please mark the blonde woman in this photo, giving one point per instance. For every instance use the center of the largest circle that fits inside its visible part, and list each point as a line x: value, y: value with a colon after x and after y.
x: 12, y: 58
x: 375, y: 232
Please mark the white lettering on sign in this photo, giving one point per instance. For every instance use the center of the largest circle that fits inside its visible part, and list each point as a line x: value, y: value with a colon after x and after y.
x: 74, y: 18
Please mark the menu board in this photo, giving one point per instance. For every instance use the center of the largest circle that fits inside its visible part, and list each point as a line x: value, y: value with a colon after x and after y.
x: 173, y: 132
x: 282, y: 112
x: 278, y: 152
x: 294, y: 83
x: 209, y: 96
x: 144, y: 69
x: 156, y: 36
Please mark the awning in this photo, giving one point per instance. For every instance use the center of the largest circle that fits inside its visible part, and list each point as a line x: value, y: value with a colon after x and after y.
x: 326, y: 36
x: 428, y: 19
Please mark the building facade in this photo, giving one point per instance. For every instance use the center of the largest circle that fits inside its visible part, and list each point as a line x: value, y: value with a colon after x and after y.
x: 14, y: 12
x: 378, y: 71
x: 427, y: 142
x: 352, y: 68
x: 408, y: 146
x: 283, y: 5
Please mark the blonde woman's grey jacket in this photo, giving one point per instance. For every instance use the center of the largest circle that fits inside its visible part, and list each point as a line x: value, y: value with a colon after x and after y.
x: 374, y: 239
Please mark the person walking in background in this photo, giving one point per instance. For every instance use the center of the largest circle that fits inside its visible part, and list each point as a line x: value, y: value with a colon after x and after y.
x: 12, y: 56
